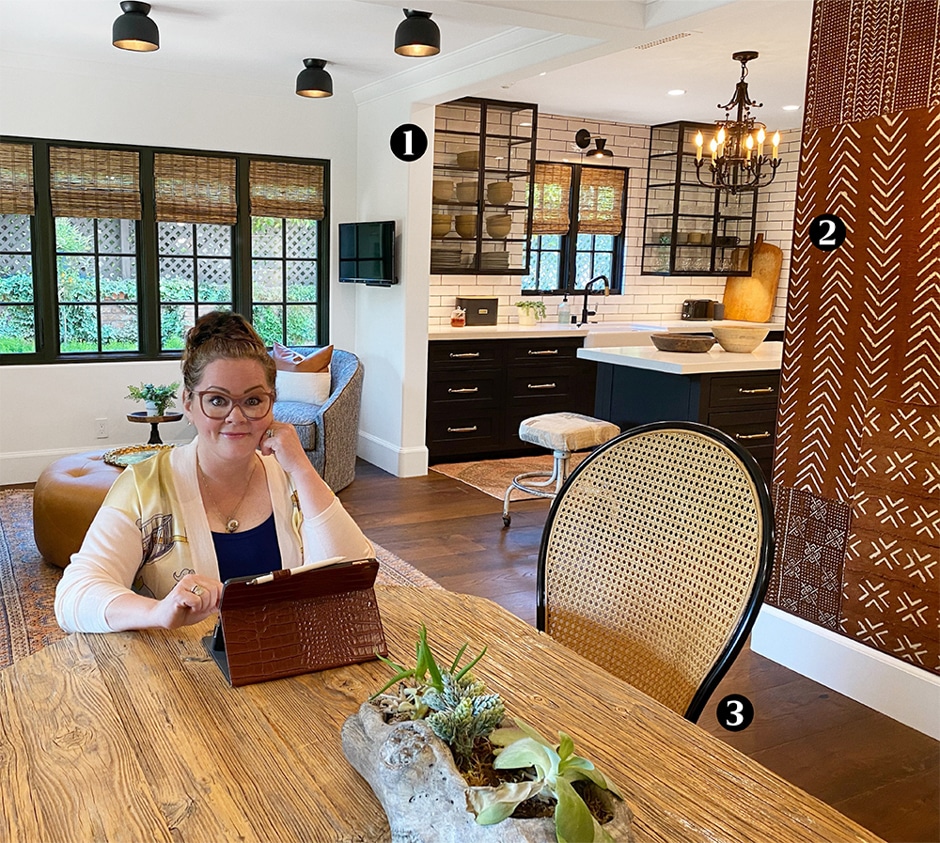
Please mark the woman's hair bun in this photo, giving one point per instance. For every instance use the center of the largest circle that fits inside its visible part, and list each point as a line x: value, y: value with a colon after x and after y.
x: 222, y: 334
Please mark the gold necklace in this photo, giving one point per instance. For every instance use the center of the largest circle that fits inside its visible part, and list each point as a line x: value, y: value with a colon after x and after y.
x: 231, y: 524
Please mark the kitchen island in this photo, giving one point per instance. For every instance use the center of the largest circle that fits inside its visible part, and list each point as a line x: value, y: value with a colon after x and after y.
x: 736, y: 393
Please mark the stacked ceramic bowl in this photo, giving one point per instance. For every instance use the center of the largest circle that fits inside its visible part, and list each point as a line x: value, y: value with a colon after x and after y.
x: 440, y: 225
x: 467, y: 191
x: 442, y: 190
x: 499, y: 192
x: 467, y: 226
x: 498, y: 225
x: 469, y: 159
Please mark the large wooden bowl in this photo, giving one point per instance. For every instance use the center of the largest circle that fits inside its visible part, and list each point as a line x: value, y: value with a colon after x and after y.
x: 683, y: 342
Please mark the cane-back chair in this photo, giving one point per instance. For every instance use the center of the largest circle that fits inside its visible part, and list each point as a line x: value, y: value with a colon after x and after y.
x: 655, y: 559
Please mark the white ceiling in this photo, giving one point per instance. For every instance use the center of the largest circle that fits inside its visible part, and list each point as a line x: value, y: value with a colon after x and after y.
x: 606, y: 59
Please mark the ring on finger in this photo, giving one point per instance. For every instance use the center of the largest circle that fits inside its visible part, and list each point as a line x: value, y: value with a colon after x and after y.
x: 270, y: 433
x: 198, y: 590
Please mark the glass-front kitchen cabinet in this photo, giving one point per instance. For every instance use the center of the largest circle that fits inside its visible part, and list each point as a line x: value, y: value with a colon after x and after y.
x: 692, y: 229
x: 484, y: 162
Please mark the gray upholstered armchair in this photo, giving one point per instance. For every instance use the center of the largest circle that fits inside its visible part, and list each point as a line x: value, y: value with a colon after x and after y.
x: 329, y: 432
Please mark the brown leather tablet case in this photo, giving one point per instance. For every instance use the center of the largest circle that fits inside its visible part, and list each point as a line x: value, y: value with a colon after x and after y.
x: 301, y: 623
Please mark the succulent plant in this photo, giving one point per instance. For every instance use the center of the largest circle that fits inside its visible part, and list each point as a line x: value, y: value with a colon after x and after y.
x: 553, y: 768
x: 462, y: 712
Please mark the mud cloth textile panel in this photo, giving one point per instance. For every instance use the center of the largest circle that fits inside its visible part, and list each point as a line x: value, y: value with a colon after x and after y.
x: 857, y: 474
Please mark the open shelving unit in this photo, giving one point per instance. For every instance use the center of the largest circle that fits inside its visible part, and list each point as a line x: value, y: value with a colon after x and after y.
x: 484, y: 162
x: 692, y: 229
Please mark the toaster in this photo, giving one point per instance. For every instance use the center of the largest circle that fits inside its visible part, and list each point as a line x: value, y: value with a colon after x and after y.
x: 702, y: 309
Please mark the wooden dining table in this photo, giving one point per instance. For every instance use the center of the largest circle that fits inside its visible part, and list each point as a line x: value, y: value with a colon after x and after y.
x: 137, y: 737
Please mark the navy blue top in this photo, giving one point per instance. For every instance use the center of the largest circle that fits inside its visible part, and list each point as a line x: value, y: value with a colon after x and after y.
x: 249, y: 553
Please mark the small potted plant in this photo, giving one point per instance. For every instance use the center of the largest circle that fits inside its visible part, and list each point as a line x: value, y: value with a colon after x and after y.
x: 436, y: 750
x: 156, y: 398
x: 531, y: 311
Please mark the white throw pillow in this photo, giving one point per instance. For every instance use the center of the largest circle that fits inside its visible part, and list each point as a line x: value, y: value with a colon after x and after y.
x: 309, y: 387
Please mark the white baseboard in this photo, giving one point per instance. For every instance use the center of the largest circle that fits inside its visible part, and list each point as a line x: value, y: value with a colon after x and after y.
x: 893, y: 687
x: 26, y: 466
x: 402, y: 462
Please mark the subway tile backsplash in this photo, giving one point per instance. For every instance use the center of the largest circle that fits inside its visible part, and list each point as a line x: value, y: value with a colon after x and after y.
x: 645, y: 297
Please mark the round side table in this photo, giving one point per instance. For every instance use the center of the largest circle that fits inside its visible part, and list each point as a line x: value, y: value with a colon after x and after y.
x: 154, y: 422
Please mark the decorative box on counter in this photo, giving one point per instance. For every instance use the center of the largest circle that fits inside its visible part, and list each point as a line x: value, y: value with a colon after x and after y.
x: 481, y: 310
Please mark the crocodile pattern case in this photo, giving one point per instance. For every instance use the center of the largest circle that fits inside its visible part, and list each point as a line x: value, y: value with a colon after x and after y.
x: 300, y: 623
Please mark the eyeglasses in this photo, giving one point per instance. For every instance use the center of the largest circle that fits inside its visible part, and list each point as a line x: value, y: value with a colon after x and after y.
x: 218, y: 405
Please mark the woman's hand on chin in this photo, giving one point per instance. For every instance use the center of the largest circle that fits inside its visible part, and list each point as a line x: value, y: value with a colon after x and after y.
x: 282, y: 441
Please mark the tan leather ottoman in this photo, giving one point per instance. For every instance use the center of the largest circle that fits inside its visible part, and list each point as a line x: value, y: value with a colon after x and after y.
x: 66, y: 498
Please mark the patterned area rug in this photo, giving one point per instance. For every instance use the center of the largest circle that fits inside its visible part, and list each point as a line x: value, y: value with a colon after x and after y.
x: 27, y: 581
x: 494, y: 476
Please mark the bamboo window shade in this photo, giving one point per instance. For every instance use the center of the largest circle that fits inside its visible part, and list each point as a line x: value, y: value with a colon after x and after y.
x: 552, y: 192
x: 103, y: 183
x: 16, y: 179
x: 286, y: 190
x: 195, y: 188
x: 600, y: 201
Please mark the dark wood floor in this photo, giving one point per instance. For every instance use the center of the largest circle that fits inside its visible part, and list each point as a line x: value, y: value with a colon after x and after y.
x: 883, y: 775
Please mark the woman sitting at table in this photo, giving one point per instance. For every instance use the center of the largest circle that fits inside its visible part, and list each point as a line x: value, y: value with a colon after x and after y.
x: 241, y: 499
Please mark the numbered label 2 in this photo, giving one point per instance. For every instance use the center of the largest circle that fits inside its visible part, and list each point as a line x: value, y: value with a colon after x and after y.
x: 827, y: 232
x: 735, y: 712
x: 408, y: 142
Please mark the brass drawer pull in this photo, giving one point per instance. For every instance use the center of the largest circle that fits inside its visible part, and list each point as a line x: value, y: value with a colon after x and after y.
x: 764, y: 435
x: 464, y: 355
x: 461, y: 429
x: 758, y: 391
x: 547, y: 351
x: 541, y: 386
x: 464, y: 390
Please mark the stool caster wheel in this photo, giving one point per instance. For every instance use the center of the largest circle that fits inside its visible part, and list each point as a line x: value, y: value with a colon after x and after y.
x: 507, y: 519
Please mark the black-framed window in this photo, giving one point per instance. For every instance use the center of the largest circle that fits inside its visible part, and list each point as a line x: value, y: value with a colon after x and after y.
x: 284, y: 271
x: 82, y: 278
x: 578, y: 228
x: 96, y: 285
x: 17, y: 299
x: 197, y: 274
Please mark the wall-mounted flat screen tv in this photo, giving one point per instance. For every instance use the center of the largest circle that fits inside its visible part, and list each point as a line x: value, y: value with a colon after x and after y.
x: 367, y: 253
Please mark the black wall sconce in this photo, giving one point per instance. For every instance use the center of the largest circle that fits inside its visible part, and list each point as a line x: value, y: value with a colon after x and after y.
x: 314, y: 81
x: 417, y: 35
x: 583, y: 139
x: 134, y: 30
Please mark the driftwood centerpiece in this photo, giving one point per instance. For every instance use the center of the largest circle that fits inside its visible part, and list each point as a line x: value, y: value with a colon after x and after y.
x: 416, y: 747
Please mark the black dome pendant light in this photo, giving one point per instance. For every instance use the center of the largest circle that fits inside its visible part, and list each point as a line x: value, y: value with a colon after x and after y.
x: 313, y: 81
x: 417, y: 35
x: 134, y: 30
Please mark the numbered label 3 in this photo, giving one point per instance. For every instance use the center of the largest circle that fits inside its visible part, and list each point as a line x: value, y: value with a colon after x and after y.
x: 735, y: 712
x: 408, y: 142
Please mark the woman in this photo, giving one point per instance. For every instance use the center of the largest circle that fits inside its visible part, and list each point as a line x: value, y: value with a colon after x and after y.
x: 241, y: 499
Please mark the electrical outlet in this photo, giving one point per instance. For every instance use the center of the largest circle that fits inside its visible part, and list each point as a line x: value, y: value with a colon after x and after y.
x: 101, y: 428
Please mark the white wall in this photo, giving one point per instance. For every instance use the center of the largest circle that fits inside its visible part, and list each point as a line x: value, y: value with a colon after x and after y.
x: 645, y: 297
x: 391, y: 323
x: 82, y: 102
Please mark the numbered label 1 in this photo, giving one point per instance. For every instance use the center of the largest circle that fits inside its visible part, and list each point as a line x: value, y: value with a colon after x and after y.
x: 827, y: 232
x: 735, y: 712
x: 408, y: 142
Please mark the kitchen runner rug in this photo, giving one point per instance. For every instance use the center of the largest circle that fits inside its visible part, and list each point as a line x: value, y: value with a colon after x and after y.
x: 27, y: 581
x: 494, y: 476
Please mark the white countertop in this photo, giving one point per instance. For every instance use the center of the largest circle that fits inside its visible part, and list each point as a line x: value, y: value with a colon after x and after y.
x: 767, y: 355
x: 639, y: 330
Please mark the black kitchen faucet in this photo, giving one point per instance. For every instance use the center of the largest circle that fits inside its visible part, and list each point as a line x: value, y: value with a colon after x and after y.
x: 587, y: 288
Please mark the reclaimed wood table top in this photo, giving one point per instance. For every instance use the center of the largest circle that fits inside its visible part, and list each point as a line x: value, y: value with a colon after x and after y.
x: 137, y: 736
